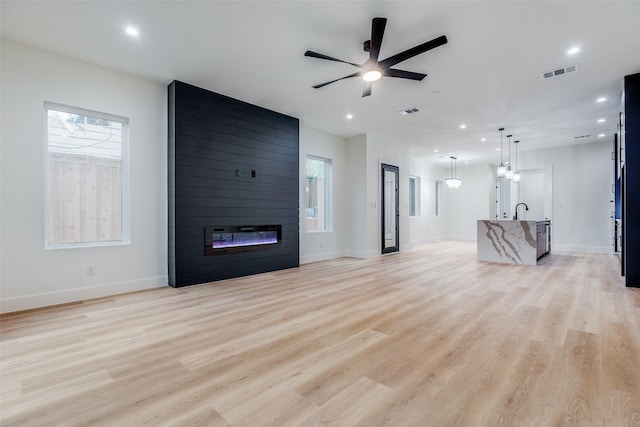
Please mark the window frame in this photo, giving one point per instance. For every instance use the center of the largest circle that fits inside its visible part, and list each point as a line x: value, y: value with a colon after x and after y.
x: 437, y: 197
x: 125, y: 178
x: 328, y: 193
x: 415, y: 196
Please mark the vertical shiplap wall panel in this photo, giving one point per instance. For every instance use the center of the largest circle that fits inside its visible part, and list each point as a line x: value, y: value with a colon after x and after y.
x: 630, y: 218
x: 210, y: 137
x: 171, y: 183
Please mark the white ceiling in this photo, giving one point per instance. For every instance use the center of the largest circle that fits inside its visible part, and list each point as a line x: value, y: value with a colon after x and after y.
x: 487, y: 76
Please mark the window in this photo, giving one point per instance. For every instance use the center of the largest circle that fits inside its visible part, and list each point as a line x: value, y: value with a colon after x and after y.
x: 414, y: 196
x: 87, y: 178
x: 438, y: 198
x: 318, y: 194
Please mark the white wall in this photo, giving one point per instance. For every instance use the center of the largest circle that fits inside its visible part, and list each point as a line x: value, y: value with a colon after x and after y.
x: 365, y: 154
x: 317, y: 246
x: 469, y: 203
x: 356, y: 204
x: 31, y: 276
x: 427, y: 227
x: 373, y: 218
x: 581, y: 208
x: 381, y: 151
x: 582, y: 176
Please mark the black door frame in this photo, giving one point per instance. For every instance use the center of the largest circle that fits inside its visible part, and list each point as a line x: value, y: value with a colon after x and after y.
x: 390, y: 168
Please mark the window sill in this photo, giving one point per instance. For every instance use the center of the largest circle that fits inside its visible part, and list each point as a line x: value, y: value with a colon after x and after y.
x: 319, y: 231
x: 86, y: 245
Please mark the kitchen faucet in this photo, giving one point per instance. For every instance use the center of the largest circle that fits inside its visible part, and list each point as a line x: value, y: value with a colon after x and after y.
x: 515, y: 217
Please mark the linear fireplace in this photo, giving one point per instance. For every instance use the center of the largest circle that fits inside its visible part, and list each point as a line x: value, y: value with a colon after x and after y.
x: 241, y: 238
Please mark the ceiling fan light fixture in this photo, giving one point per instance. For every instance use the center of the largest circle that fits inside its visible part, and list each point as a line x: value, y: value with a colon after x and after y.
x: 374, y: 68
x: 132, y: 31
x: 371, y: 76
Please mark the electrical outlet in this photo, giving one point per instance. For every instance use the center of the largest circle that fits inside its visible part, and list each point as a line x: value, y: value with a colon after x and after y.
x: 91, y: 270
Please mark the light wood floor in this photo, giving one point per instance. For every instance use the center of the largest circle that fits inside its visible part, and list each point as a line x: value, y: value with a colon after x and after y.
x: 427, y: 337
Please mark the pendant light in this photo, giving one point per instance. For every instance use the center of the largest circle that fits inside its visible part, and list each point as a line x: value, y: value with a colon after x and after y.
x: 452, y: 181
x: 502, y: 170
x: 516, y: 174
x: 509, y: 173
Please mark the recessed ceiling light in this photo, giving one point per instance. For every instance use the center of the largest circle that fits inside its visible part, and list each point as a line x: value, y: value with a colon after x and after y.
x: 349, y: 116
x: 463, y: 126
x: 132, y: 31
x: 601, y: 99
x: 435, y: 151
x: 601, y: 135
x: 601, y: 120
x: 483, y: 139
x: 466, y: 162
x: 573, y: 50
x: 498, y: 149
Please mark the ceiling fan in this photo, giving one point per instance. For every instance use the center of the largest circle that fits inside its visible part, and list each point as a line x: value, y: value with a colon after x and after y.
x: 372, y: 69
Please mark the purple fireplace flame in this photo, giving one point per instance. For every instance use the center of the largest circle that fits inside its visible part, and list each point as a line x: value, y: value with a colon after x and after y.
x: 234, y: 240
x: 239, y: 238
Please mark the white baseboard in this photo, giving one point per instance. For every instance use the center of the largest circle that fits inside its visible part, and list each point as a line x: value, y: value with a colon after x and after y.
x: 586, y: 249
x: 426, y: 240
x: 79, y: 294
x: 306, y: 259
x: 361, y: 254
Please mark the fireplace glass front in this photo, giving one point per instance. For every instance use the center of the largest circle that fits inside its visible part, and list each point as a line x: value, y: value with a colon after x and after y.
x: 223, y: 239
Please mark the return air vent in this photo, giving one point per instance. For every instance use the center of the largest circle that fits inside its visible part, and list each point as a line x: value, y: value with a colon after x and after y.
x: 408, y: 111
x: 560, y: 71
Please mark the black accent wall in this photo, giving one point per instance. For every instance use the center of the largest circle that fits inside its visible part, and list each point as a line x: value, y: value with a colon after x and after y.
x: 631, y: 184
x: 230, y: 164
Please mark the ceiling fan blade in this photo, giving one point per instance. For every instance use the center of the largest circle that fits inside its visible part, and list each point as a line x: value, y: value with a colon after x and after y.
x: 391, y: 72
x: 341, y: 78
x: 366, y: 90
x: 410, y: 53
x: 329, y: 58
x: 377, y: 32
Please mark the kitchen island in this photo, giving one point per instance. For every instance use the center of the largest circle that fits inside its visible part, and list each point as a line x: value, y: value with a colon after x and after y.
x: 513, y: 241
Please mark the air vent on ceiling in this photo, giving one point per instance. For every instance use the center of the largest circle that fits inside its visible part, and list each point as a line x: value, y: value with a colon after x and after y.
x: 408, y: 111
x: 582, y: 136
x: 560, y: 71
